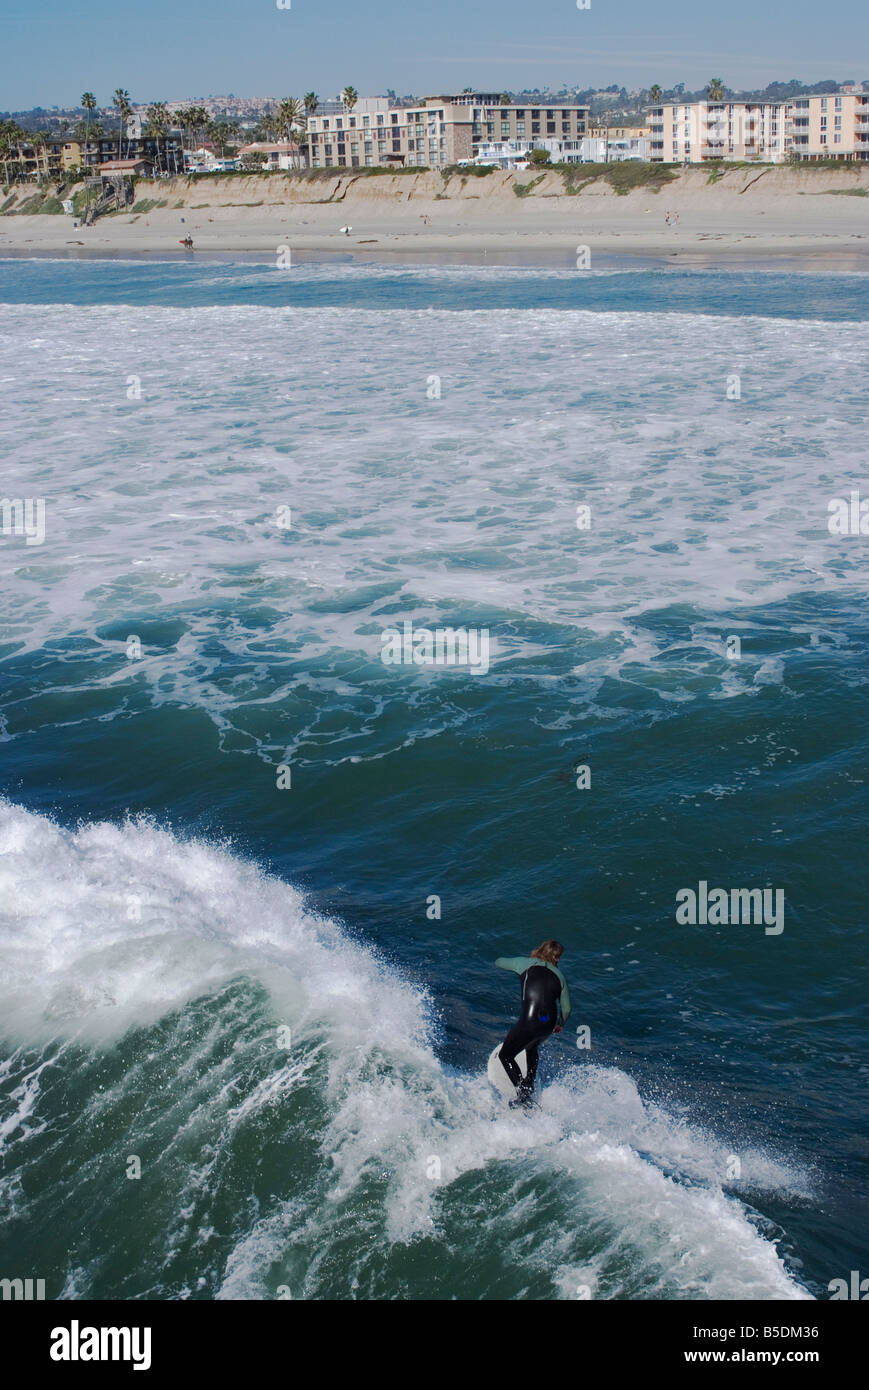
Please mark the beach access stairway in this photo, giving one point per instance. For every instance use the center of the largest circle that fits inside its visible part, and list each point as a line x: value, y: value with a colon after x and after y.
x: 115, y: 192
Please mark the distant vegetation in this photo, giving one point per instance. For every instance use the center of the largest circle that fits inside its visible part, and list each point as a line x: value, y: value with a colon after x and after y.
x: 623, y: 176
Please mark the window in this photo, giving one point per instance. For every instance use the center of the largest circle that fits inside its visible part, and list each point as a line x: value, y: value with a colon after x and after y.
x: 328, y: 149
x: 837, y: 139
x: 394, y: 118
x: 520, y: 127
x: 353, y: 121
x: 339, y: 123
x: 380, y: 120
x: 366, y: 120
x: 823, y: 103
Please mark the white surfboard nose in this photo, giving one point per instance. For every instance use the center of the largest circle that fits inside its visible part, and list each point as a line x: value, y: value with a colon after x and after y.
x: 498, y: 1076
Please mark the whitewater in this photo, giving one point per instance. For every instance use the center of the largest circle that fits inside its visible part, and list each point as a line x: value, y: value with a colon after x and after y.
x: 195, y: 964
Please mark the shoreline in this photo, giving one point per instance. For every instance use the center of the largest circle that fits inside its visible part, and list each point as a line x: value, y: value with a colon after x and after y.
x: 803, y: 260
x: 780, y: 215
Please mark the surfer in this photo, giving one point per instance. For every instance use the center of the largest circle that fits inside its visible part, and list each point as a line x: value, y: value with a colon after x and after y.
x: 545, y: 1010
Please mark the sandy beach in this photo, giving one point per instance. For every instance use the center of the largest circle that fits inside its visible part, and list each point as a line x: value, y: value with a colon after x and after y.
x: 813, y: 214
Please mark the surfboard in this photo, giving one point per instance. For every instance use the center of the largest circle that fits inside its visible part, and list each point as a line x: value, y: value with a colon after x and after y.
x: 499, y: 1078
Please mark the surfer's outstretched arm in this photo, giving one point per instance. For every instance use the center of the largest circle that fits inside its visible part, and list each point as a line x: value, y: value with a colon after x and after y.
x: 519, y: 964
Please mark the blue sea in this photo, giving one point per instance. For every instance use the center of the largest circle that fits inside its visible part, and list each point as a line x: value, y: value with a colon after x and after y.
x: 254, y: 878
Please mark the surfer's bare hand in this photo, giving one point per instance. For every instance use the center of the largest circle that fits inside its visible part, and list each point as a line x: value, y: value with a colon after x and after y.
x: 557, y: 1028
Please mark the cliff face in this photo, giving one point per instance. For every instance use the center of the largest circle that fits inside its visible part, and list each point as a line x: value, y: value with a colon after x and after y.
x: 725, y: 187
x: 585, y: 181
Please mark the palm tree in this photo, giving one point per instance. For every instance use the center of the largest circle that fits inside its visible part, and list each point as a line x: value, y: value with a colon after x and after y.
x: 655, y: 94
x: 188, y: 119
x: 349, y: 96
x: 158, y: 120
x: 178, y: 120
x: 310, y: 102
x: 288, y: 117
x: 265, y: 129
x: 715, y: 90
x: 89, y: 104
x: 11, y: 136
x: 39, y: 140
x: 505, y: 98
x: 121, y: 99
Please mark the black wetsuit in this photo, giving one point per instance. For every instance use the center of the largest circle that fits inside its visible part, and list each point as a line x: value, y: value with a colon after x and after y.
x: 541, y: 995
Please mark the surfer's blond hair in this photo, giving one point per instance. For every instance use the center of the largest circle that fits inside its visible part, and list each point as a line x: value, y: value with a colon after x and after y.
x: 550, y: 951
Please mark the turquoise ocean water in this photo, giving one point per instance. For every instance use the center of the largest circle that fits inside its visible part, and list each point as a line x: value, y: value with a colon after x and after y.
x: 242, y: 990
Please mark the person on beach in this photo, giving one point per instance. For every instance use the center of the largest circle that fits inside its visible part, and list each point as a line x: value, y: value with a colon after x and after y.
x: 545, y: 1010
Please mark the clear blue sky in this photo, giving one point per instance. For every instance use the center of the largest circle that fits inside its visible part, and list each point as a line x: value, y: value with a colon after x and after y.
x: 170, y: 49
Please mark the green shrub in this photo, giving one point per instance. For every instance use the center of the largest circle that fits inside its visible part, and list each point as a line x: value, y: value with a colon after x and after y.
x: 523, y: 189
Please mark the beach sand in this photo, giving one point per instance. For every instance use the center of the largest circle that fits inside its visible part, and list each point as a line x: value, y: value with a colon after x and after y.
x: 811, y: 214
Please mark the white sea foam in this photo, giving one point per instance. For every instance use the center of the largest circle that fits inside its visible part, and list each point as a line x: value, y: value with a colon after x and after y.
x: 429, y: 509
x: 601, y: 1184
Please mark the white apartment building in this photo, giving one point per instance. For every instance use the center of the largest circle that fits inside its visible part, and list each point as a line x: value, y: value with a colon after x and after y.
x: 814, y: 127
x: 592, y: 149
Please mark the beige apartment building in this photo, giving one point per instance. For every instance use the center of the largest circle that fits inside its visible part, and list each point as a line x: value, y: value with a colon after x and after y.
x: 814, y: 127
x: 830, y: 127
x: 437, y: 132
x: 701, y: 130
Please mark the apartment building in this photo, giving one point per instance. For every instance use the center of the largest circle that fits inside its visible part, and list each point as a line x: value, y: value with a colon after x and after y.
x: 592, y: 149
x: 830, y: 127
x: 436, y: 132
x: 694, y: 132
x: 813, y: 127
